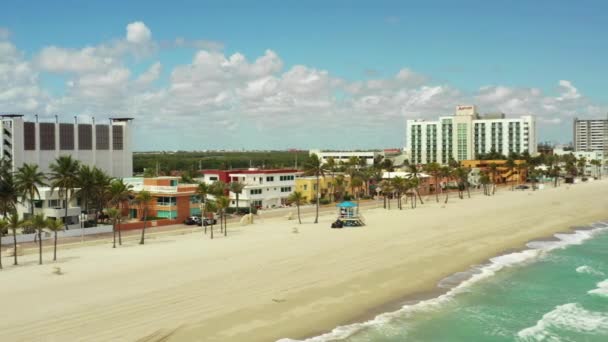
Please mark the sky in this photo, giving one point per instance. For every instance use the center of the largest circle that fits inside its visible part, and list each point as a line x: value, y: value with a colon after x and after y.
x: 199, y: 75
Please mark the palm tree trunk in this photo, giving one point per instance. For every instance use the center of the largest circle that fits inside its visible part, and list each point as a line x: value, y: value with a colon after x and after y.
x: 237, y: 204
x: 447, y: 193
x: 211, y: 230
x: 1, y: 249
x: 143, y: 231
x: 120, y: 225
x: 66, y: 210
x: 419, y: 197
x: 299, y: 220
x: 114, y: 234
x: 225, y: 224
x: 55, y: 248
x: 437, y: 189
x: 40, y: 247
x: 15, y: 245
x: 318, y: 192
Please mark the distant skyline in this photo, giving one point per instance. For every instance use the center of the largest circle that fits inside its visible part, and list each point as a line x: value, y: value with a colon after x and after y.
x: 199, y: 75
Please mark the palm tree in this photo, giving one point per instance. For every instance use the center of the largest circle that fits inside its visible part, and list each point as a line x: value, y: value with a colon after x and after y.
x: 9, y: 194
x: 222, y: 203
x: 446, y: 172
x: 414, y: 173
x: 493, y: 171
x: 54, y: 226
x: 330, y: 165
x: 339, y: 184
x: 202, y: 191
x: 212, y: 208
x: 101, y: 195
x: 237, y: 189
x: 581, y: 163
x: 511, y: 165
x: 64, y: 176
x: 119, y: 193
x: 86, y: 185
x: 143, y: 199
x: 398, y: 184
x: 3, y: 227
x: 297, y: 198
x: 38, y: 222
x: 434, y: 170
x: 521, y: 166
x: 15, y: 223
x: 27, y: 180
x: 314, y: 167
x: 356, y: 182
x: 485, y: 180
x: 114, y: 216
x: 386, y: 187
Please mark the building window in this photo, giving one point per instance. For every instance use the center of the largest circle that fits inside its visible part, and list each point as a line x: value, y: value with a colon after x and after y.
x: 256, y: 203
x: 102, y: 137
x: 255, y: 191
x: 66, y: 136
x: 286, y: 189
x: 85, y: 137
x: 54, y: 203
x: 170, y: 214
x: 213, y: 179
x: 29, y: 136
x: 270, y: 179
x: 305, y: 186
x: 47, y: 136
x: 194, y: 199
x: 117, y: 137
x: 286, y: 178
x: 162, y: 200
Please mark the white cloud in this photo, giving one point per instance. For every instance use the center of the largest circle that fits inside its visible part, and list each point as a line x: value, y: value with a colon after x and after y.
x: 138, y: 33
x: 217, y: 92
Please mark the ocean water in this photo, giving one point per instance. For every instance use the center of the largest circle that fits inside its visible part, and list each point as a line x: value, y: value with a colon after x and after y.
x: 553, y: 291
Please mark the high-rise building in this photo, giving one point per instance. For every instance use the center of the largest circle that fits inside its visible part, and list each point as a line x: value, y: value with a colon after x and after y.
x: 107, y: 146
x: 590, y: 135
x: 466, y: 135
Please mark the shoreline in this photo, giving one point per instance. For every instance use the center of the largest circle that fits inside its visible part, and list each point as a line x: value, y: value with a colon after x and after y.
x: 413, y: 299
x: 265, y: 283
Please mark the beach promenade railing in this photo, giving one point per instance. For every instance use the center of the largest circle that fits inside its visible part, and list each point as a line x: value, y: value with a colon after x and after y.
x: 21, y: 238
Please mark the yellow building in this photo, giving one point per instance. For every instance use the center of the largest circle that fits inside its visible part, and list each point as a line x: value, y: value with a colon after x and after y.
x: 307, y: 185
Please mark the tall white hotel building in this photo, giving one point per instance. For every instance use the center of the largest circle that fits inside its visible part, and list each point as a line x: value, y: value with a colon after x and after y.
x: 466, y: 135
x: 107, y: 146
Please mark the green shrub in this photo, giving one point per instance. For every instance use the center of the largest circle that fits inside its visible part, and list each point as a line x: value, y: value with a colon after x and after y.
x: 242, y: 210
x: 324, y: 201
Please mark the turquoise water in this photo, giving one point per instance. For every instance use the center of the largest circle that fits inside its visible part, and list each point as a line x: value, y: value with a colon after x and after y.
x: 555, y: 291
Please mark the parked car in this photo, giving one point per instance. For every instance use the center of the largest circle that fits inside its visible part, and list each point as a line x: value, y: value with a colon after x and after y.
x: 207, y: 221
x: 522, y: 187
x: 193, y: 220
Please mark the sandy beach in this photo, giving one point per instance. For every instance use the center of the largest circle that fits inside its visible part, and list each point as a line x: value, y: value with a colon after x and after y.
x: 264, y: 282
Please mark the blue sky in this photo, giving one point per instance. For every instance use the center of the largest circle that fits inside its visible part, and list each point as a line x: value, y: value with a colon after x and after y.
x: 498, y: 55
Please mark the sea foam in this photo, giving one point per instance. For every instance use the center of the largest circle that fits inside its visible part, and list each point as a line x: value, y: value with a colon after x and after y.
x: 601, y: 290
x: 570, y: 317
x: 478, y: 273
x: 589, y: 270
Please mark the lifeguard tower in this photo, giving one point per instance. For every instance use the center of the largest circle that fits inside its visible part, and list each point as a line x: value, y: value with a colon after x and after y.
x: 348, y: 213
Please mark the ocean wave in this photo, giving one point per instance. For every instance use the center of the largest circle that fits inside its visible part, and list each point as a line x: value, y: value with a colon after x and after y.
x: 536, y: 249
x: 589, y: 270
x: 571, y: 317
x: 602, y: 289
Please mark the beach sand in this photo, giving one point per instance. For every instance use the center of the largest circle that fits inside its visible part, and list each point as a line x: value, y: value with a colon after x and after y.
x: 264, y: 282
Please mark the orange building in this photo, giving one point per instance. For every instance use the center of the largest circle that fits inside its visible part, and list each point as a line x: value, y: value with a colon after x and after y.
x: 170, y: 199
x: 503, y: 174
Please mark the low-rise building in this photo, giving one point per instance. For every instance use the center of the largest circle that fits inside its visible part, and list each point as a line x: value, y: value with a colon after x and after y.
x: 590, y: 169
x: 503, y: 173
x: 366, y: 157
x: 263, y: 188
x: 170, y: 198
x: 52, y: 205
x: 307, y: 185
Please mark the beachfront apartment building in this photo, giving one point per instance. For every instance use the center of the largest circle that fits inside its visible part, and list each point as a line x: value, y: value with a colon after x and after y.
x: 345, y: 156
x: 466, y: 135
x: 107, y: 146
x: 171, y: 199
x: 590, y: 135
x: 52, y: 205
x: 263, y: 188
x: 590, y: 170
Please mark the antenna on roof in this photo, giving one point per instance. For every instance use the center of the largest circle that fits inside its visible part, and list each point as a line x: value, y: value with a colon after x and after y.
x: 56, y: 119
x: 36, y: 116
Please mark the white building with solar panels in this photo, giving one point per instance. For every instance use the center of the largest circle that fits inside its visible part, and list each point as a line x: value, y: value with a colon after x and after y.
x: 107, y: 146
